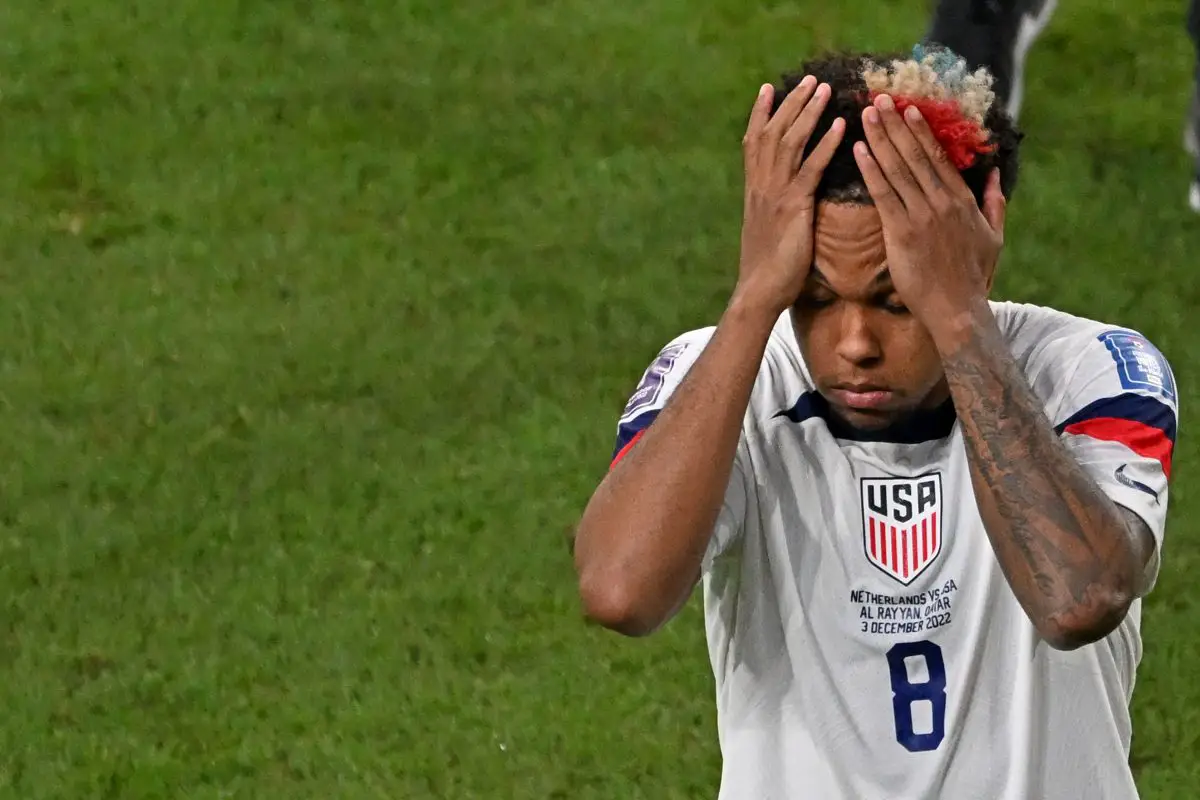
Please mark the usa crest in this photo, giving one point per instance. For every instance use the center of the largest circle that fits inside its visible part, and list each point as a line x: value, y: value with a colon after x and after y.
x: 902, y: 524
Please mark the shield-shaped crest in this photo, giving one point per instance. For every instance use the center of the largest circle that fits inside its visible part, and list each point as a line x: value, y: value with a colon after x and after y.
x: 902, y: 524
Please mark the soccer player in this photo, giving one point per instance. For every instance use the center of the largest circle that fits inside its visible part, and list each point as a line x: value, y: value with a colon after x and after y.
x: 923, y: 519
x: 997, y: 34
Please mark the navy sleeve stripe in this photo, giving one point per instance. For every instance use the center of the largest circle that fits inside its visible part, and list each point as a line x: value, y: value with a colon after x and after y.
x: 1140, y: 408
x: 627, y: 430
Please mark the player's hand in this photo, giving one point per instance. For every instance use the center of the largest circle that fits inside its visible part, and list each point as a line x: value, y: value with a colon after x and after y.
x: 942, y: 249
x: 778, y: 218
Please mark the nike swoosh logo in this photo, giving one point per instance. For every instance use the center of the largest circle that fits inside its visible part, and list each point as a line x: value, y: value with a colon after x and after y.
x: 1132, y: 484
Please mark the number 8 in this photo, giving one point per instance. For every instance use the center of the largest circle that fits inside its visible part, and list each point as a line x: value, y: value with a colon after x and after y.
x: 905, y: 693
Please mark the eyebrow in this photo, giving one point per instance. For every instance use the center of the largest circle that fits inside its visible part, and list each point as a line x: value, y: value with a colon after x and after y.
x: 882, y: 276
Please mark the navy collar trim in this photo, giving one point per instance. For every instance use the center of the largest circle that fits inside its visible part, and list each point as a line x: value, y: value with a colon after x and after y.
x: 923, y: 426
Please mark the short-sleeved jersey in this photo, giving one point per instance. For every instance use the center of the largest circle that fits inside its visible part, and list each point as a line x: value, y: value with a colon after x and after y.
x: 864, y: 641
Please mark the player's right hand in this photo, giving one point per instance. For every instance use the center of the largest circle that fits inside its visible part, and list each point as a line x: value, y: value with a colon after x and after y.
x: 779, y: 213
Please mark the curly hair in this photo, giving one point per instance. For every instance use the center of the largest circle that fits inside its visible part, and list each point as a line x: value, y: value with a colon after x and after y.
x: 848, y: 75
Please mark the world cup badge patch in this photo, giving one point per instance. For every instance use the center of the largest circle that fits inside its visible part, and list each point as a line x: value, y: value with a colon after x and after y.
x: 902, y: 524
x: 1140, y: 365
x: 653, y: 380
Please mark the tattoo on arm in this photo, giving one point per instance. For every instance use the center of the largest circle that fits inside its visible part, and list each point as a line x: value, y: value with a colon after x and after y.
x: 1065, y: 550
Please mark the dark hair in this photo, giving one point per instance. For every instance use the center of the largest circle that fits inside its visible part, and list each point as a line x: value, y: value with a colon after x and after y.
x: 842, y: 181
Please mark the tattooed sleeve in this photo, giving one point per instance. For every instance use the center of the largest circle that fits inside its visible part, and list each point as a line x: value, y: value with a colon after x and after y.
x: 1058, y: 494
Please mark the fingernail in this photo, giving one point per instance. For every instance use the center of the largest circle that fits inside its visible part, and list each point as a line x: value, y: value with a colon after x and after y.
x: 762, y: 90
x: 871, y: 115
x: 808, y: 81
x: 913, y: 113
x: 885, y: 102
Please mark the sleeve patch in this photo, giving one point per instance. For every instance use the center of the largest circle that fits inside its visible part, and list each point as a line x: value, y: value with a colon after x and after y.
x: 1140, y: 365
x: 653, y: 379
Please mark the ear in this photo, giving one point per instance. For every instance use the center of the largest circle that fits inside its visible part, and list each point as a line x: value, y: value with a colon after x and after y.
x: 995, y: 205
x: 995, y: 208
x: 991, y: 276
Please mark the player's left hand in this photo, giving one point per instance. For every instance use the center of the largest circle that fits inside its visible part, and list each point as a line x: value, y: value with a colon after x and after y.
x: 942, y: 249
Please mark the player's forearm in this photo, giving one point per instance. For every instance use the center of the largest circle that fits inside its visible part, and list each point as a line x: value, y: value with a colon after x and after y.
x: 643, y: 535
x: 1062, y: 543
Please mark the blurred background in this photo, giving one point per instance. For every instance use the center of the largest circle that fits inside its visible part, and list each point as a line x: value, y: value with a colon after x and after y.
x: 317, y: 318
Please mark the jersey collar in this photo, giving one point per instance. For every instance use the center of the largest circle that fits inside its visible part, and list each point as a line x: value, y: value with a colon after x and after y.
x: 925, y: 425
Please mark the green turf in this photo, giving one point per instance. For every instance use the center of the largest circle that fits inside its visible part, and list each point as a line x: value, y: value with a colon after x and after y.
x: 316, y: 322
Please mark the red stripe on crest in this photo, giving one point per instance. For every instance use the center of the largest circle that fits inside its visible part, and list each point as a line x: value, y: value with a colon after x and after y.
x: 893, y: 560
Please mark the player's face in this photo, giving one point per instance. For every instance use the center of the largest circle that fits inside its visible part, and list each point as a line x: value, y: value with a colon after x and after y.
x: 868, y: 355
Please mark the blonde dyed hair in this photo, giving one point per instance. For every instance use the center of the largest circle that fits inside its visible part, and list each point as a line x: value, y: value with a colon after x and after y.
x: 936, y: 73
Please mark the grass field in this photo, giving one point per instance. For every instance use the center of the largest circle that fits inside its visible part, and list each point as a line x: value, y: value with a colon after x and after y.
x: 316, y: 324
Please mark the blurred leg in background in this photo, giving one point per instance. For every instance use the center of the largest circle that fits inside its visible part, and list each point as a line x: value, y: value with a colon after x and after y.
x: 1191, y: 136
x: 998, y: 34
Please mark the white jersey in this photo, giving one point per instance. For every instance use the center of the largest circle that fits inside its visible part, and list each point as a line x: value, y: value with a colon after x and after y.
x: 863, y: 639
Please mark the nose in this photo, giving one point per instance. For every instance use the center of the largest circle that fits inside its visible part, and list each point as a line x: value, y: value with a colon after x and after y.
x: 857, y: 343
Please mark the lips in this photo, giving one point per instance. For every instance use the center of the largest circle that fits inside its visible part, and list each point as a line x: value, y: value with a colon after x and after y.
x: 863, y: 396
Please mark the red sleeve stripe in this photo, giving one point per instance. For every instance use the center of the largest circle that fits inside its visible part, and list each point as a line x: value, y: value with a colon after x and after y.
x: 628, y: 446
x: 1146, y: 441
x: 628, y: 434
x: 1143, y: 424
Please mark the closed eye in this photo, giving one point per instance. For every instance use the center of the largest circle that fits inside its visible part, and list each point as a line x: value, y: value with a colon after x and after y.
x: 891, y: 303
x: 813, y: 303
